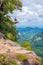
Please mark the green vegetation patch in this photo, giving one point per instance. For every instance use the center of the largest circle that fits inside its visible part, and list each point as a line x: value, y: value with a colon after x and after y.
x: 21, y: 57
x: 11, y: 62
x: 5, y: 61
x: 26, y: 45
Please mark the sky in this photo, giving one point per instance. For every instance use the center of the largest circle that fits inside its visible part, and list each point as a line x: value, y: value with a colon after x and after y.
x: 31, y: 14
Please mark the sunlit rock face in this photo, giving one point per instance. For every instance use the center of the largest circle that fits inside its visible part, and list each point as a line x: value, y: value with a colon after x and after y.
x: 13, y: 48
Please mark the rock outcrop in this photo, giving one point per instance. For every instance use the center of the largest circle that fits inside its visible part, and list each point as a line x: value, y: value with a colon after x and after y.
x: 12, y: 48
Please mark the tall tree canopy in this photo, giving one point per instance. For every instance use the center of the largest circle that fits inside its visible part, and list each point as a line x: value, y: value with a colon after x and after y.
x: 6, y: 26
x: 9, y: 5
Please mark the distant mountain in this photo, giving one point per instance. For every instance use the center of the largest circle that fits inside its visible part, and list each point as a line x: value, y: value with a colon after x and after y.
x: 29, y: 28
x: 34, y: 36
x: 27, y: 33
x: 37, y: 44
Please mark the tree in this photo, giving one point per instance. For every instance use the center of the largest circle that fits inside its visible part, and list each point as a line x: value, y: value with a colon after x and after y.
x: 6, y: 26
x: 9, y: 5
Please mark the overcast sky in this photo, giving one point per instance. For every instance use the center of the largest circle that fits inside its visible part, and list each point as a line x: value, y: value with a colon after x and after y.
x: 31, y: 14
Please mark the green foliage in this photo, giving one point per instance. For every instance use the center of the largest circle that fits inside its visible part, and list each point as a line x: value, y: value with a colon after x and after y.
x: 21, y: 57
x: 4, y: 61
x: 26, y: 45
x: 10, y: 5
x: 8, y: 30
x: 6, y: 26
x: 3, y: 56
x: 10, y: 62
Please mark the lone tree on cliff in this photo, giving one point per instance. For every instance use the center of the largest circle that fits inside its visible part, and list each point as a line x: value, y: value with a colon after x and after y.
x: 6, y: 25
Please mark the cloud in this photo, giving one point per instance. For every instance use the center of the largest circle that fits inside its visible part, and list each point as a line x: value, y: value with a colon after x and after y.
x: 31, y: 14
x: 27, y: 14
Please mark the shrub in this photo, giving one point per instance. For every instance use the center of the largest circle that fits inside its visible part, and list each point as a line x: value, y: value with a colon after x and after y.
x: 26, y: 45
x: 21, y: 57
x: 10, y: 62
x: 4, y: 61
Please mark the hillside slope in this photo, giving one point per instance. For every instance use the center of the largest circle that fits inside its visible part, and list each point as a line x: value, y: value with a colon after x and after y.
x: 12, y: 49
